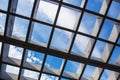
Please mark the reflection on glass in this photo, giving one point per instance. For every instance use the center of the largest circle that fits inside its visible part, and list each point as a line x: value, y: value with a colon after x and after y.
x: 48, y: 77
x: 20, y: 28
x: 60, y: 40
x: 73, y: 2
x: 114, y: 10
x: 34, y: 57
x: 105, y: 75
x: 87, y: 23
x: 41, y: 33
x: 4, y: 4
x: 47, y: 11
x: 12, y: 69
x: 2, y: 23
x: 106, y: 30
x: 53, y: 62
x: 72, y: 66
x: 24, y: 7
x: 96, y: 7
x: 67, y: 17
x: 15, y: 52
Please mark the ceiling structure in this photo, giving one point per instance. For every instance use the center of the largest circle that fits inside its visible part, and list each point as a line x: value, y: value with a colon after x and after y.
x: 59, y: 61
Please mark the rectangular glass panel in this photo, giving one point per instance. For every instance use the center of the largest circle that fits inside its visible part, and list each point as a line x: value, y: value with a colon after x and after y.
x: 47, y: 11
x: 4, y: 4
x: 2, y: 23
x: 20, y: 28
x: 60, y: 40
x: 67, y: 17
x: 48, y: 77
x: 24, y: 7
x: 41, y: 33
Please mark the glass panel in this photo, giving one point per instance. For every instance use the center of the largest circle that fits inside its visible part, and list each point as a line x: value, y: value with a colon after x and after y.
x: 12, y: 69
x: 41, y: 33
x: 98, y: 50
x: 81, y: 44
x: 4, y: 4
x: 89, y: 70
x: 106, y: 30
x: 34, y: 57
x: 67, y: 17
x: 64, y: 79
x: 48, y: 77
x: 60, y: 40
x: 24, y: 7
x: 2, y: 23
x: 20, y: 28
x: 29, y: 74
x: 0, y: 47
x: 87, y: 23
x: 118, y: 41
x: 115, y: 58
x: 105, y: 75
x: 72, y: 66
x: 15, y: 52
x: 114, y: 10
x: 96, y: 7
x: 47, y: 11
x: 73, y: 2
x: 53, y: 62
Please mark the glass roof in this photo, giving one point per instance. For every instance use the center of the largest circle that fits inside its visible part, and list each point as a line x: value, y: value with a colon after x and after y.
x: 60, y: 39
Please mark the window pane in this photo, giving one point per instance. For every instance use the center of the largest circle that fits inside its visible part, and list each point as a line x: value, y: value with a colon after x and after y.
x: 94, y: 5
x: 24, y: 7
x: 53, y: 62
x: 67, y: 17
x: 87, y: 24
x: 115, y: 58
x: 41, y: 33
x: 73, y: 2
x: 47, y: 11
x: 2, y: 23
x: 114, y: 10
x: 48, y: 77
x: 4, y: 4
x: 20, y: 28
x: 60, y: 40
x: 72, y: 66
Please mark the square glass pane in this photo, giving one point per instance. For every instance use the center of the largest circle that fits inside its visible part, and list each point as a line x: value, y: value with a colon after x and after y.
x: 81, y: 44
x: 2, y: 23
x: 98, y: 50
x: 87, y: 24
x: 47, y: 11
x: 20, y: 28
x: 24, y: 7
x: 89, y: 71
x: 105, y: 75
x: 114, y: 10
x: 15, y: 52
x: 94, y: 5
x: 4, y: 4
x: 115, y: 58
x: 71, y: 66
x: 28, y: 74
x: 41, y: 34
x: 61, y: 39
x: 53, y: 62
x: 67, y: 17
x: 106, y: 30
x: 73, y: 2
x: 34, y: 57
x: 48, y: 77
x: 9, y: 72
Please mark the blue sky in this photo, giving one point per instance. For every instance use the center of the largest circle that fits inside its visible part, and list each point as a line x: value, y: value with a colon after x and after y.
x: 61, y: 38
